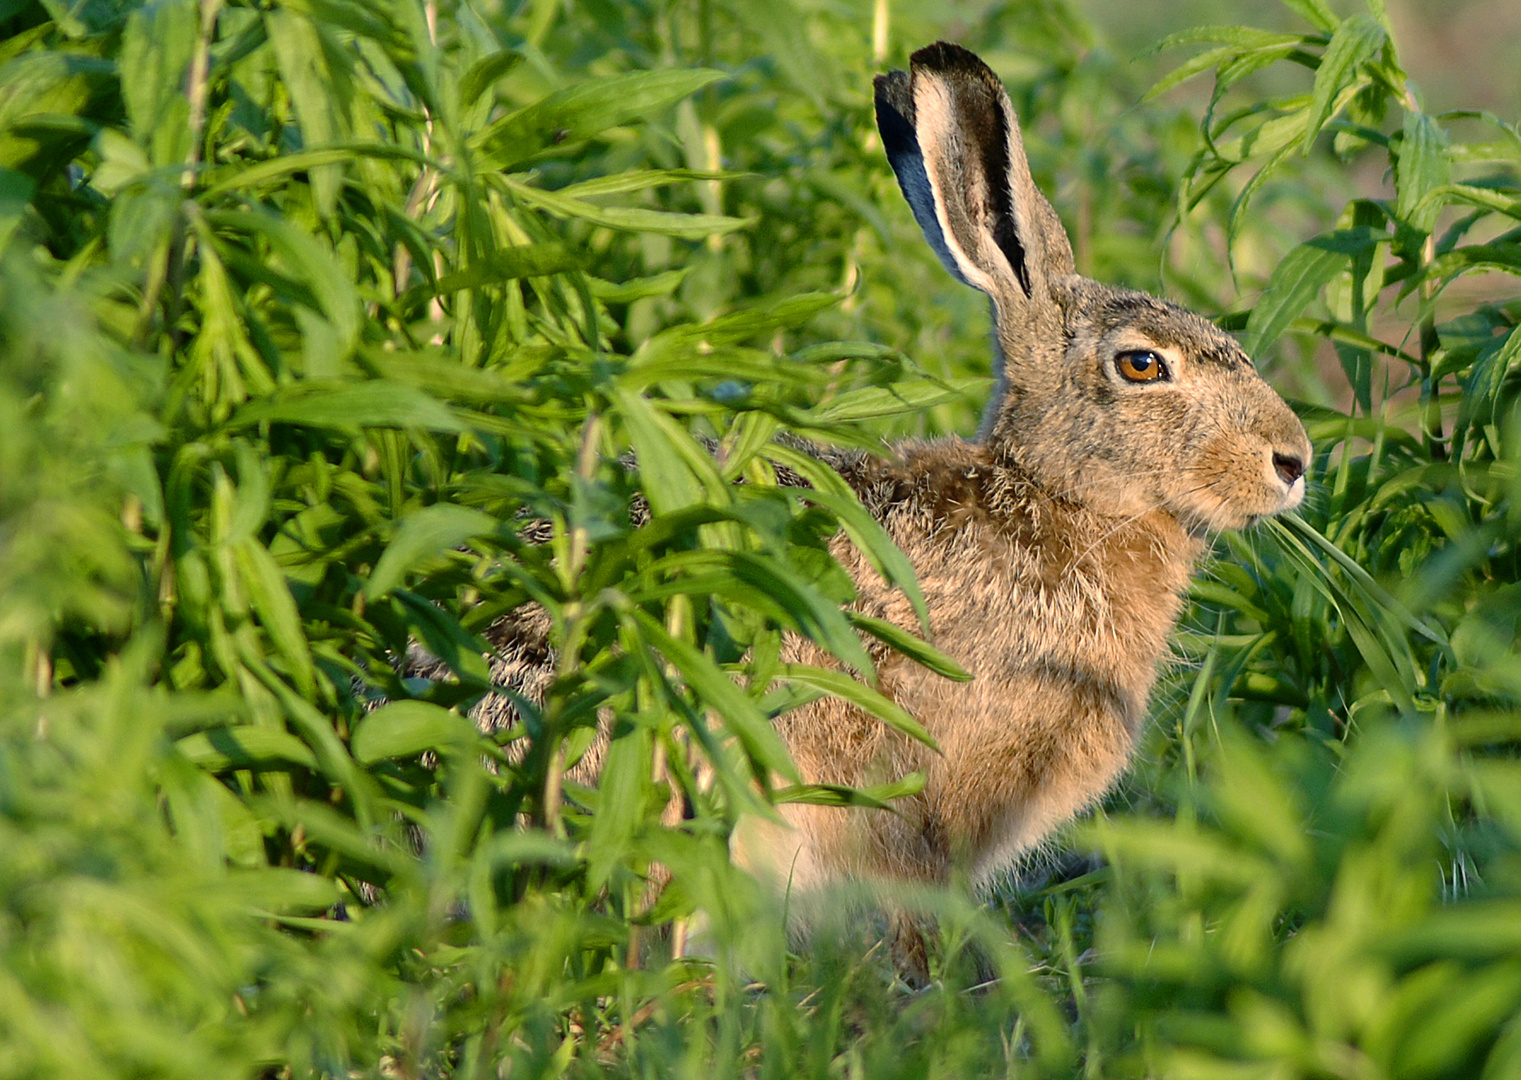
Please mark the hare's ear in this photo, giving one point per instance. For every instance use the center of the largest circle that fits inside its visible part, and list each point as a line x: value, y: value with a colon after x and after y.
x: 954, y: 142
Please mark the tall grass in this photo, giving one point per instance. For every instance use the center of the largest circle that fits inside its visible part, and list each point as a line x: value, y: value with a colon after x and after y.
x: 307, y: 308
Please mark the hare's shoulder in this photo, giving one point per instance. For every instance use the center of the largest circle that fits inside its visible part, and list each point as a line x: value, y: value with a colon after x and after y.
x: 954, y: 496
x: 991, y: 546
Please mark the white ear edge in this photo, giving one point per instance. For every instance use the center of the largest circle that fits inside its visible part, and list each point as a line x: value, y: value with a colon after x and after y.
x: 934, y: 116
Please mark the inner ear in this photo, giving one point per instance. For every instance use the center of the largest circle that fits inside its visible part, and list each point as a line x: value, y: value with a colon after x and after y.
x: 1006, y: 236
x: 993, y: 138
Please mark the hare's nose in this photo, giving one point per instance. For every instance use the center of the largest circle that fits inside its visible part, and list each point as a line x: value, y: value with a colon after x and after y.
x: 1289, y: 467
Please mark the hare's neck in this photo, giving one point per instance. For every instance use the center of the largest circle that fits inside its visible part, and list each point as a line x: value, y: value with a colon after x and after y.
x: 1010, y: 566
x: 1133, y: 570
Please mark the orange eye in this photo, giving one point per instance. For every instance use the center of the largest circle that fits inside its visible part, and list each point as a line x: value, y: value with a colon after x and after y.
x: 1140, y: 365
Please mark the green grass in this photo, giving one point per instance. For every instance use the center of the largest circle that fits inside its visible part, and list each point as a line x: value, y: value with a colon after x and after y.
x: 304, y: 307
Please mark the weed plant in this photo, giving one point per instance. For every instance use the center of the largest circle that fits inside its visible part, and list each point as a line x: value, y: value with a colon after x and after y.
x: 307, y: 308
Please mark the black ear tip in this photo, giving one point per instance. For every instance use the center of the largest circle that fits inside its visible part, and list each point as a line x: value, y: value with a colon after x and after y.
x: 893, y: 94
x: 946, y: 57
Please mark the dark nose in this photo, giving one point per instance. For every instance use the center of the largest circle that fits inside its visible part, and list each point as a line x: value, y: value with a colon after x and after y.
x: 1289, y: 467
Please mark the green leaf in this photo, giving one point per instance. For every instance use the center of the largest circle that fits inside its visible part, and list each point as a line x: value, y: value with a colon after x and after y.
x: 622, y: 183
x: 738, y: 712
x: 1188, y: 69
x: 1296, y: 281
x: 337, y: 297
x: 155, y: 53
x: 422, y: 535
x: 1483, y: 198
x: 1237, y: 43
x: 722, y: 362
x: 245, y: 747
x: 404, y: 729
x: 627, y: 291
x: 376, y: 403
x: 439, y: 373
x: 735, y: 328
x: 1445, y: 1037
x: 876, y: 402
x: 911, y: 646
x: 622, y: 786
x: 865, y: 531
x: 504, y: 264
x: 1249, y: 37
x: 838, y: 684
x: 766, y: 584
x: 579, y: 112
x: 244, y: 175
x: 1316, y: 13
x: 667, y: 471
x: 1421, y: 169
x: 315, y: 74
x: 626, y: 218
x: 1378, y: 597
x: 1372, y: 626
x: 485, y: 72
x: 1356, y: 42
x: 873, y: 797
x: 282, y: 890
x: 338, y: 831
x: 271, y: 598
x: 316, y: 730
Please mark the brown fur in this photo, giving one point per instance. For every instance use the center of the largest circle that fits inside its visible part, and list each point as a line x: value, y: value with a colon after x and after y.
x: 1054, y: 553
x: 1062, y: 626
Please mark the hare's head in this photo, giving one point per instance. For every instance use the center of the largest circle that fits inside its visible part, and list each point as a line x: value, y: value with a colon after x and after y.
x: 1118, y: 400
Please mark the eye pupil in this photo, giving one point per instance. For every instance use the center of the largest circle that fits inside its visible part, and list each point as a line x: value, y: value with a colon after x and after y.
x: 1141, y: 365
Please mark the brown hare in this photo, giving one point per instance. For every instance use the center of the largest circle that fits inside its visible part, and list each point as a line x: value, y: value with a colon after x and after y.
x: 1054, y: 551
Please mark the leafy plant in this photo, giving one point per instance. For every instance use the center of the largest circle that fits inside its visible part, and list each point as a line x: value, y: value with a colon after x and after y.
x: 349, y: 338
x: 325, y: 328
x: 1332, y: 903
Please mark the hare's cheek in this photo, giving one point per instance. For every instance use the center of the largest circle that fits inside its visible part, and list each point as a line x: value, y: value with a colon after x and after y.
x: 1224, y: 485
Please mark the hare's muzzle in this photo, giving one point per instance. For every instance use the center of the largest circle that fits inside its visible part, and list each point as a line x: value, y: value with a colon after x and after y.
x: 1289, y: 468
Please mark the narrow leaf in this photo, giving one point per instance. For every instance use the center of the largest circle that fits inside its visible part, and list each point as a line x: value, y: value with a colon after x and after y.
x: 739, y: 713
x: 838, y: 684
x: 916, y: 648
x: 271, y: 598
x: 1421, y: 169
x: 579, y: 112
x: 423, y: 535
x: 1296, y: 281
x: 874, y: 797
x: 376, y: 403
x: 504, y: 264
x: 1356, y: 41
x: 245, y: 747
x: 627, y: 218
x: 404, y: 729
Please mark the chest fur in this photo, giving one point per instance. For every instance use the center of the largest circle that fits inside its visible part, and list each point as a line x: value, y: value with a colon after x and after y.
x: 1020, y: 581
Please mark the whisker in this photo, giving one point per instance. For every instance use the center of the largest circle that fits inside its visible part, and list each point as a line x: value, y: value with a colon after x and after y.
x: 1131, y: 519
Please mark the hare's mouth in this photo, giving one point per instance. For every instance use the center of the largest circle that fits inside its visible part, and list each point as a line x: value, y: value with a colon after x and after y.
x: 1237, y: 481
x: 1237, y: 503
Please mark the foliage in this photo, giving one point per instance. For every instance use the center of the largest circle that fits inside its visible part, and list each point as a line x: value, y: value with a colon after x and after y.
x: 1335, y: 903
x: 308, y: 309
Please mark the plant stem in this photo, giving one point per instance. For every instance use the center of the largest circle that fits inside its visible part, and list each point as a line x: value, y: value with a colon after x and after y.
x: 1431, y: 403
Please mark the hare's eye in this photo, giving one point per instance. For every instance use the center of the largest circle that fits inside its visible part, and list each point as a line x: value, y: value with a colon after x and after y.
x: 1140, y: 365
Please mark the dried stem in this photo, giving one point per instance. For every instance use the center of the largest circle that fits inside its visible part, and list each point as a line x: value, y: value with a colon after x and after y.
x: 196, y: 88
x: 1431, y: 402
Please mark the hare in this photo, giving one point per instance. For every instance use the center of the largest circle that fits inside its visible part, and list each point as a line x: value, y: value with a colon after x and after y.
x: 1055, y: 550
